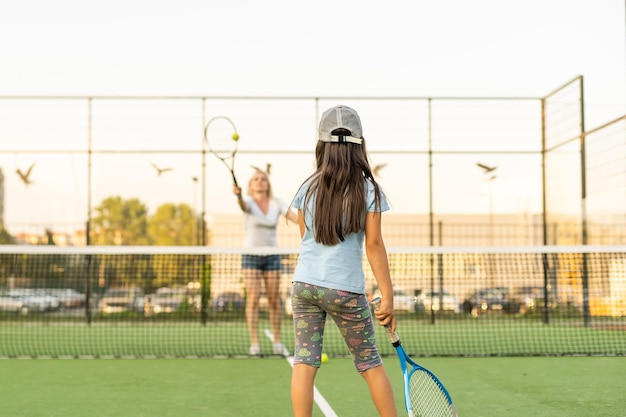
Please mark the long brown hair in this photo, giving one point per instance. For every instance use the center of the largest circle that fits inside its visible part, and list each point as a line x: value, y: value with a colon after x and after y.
x: 340, y: 190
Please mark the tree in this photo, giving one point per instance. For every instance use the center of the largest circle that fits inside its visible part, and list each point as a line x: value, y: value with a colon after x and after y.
x: 5, y: 237
x: 172, y: 225
x: 121, y: 222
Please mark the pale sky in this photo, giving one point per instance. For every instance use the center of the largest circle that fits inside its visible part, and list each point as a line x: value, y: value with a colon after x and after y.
x: 286, y: 48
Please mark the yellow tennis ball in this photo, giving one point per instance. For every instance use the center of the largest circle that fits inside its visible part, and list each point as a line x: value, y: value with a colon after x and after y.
x: 324, y: 358
x: 235, y: 136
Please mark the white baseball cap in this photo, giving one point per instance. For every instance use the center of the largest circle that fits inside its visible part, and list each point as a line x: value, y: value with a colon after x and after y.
x: 340, y: 117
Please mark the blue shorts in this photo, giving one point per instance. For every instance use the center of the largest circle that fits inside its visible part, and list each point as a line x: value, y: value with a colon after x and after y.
x: 350, y: 311
x: 261, y: 262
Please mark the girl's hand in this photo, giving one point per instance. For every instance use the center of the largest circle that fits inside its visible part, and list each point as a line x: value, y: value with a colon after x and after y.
x: 385, y: 314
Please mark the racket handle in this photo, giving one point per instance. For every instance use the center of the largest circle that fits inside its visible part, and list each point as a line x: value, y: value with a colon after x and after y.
x: 393, y: 336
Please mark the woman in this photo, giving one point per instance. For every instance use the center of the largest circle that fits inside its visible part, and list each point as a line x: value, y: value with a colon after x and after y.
x: 261, y: 215
x: 339, y: 207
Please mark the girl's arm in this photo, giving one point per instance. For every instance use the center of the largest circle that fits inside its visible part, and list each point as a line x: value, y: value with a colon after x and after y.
x: 292, y: 216
x: 300, y: 220
x: 377, y: 257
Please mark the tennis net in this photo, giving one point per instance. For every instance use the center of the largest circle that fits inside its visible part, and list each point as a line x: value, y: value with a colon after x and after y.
x: 102, y: 301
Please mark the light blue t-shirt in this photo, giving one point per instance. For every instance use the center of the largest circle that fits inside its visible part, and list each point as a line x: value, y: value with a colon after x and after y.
x: 339, y: 266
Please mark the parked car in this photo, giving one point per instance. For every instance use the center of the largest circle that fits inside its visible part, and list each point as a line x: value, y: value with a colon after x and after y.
x: 118, y: 300
x: 12, y: 304
x: 426, y: 301
x: 165, y: 300
x: 227, y: 301
x: 68, y: 297
x: 402, y: 300
x: 490, y: 300
x: 529, y: 298
x: 36, y: 299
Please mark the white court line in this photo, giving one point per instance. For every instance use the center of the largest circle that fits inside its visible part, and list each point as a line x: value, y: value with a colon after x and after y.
x: 321, y: 402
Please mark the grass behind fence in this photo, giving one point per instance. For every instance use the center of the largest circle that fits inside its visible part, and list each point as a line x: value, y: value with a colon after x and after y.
x: 184, y: 339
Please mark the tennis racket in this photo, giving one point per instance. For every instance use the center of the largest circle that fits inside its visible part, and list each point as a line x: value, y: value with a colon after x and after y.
x: 424, y: 394
x: 223, y: 144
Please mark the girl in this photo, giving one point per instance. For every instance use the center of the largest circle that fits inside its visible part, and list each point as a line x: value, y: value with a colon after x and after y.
x: 339, y: 207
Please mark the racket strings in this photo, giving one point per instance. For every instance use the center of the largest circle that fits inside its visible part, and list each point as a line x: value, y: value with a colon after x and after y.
x: 225, y: 151
x: 427, y: 397
x: 221, y: 143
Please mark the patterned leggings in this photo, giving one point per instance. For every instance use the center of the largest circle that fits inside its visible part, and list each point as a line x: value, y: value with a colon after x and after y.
x: 351, y: 313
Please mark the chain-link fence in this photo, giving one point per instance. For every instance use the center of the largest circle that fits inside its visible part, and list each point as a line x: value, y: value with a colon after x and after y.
x: 457, y: 171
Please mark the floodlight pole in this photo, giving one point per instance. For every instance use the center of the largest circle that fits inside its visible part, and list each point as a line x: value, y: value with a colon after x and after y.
x: 205, y: 288
x: 491, y: 215
x: 492, y: 264
x: 489, y: 177
x: 88, y: 266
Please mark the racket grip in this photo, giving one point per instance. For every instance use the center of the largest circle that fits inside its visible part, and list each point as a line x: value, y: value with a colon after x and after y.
x: 393, y: 336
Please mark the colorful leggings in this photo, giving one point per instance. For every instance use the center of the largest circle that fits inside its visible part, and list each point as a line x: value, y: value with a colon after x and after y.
x: 350, y: 311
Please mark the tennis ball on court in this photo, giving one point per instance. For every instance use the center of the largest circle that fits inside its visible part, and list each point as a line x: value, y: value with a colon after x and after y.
x: 324, y: 358
x: 235, y: 136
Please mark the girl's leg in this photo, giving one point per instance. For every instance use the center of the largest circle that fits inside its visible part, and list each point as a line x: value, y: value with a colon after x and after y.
x: 302, y: 382
x: 252, y: 282
x: 272, y: 284
x: 353, y: 316
x: 381, y: 391
x: 309, y: 320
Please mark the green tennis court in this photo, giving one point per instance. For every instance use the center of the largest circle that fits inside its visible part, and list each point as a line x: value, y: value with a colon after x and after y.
x: 554, y: 358
x: 480, y: 387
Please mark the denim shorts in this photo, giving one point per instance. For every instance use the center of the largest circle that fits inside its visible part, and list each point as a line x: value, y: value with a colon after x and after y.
x: 261, y: 262
x: 350, y: 311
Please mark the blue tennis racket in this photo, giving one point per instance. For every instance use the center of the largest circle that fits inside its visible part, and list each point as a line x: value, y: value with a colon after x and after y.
x: 424, y: 394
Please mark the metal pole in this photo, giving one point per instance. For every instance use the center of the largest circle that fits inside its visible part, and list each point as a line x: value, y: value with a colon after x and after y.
x: 431, y: 214
x: 491, y: 216
x: 583, y: 201
x: 544, y: 207
x: 88, y: 267
x: 205, y: 292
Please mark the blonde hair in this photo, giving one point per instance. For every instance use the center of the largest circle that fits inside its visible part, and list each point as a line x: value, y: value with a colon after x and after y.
x: 267, y: 178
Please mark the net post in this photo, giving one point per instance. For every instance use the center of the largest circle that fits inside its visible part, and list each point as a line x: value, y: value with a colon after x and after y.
x: 441, y: 284
x: 546, y: 281
x: 205, y: 288
x: 585, y: 288
x: 88, y: 292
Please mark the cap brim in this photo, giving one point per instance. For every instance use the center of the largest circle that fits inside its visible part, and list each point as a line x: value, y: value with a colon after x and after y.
x: 340, y: 139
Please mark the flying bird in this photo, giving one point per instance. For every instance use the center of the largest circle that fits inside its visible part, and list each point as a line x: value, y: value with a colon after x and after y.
x: 486, y: 167
x: 268, y: 168
x: 377, y: 168
x: 160, y: 170
x: 25, y: 176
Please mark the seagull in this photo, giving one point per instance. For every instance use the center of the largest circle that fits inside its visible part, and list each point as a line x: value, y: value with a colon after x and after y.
x: 160, y: 170
x: 24, y: 176
x: 268, y: 168
x: 486, y: 167
x: 377, y: 168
